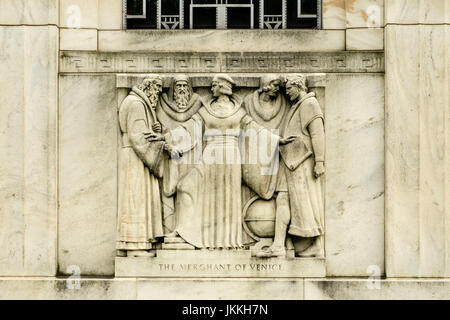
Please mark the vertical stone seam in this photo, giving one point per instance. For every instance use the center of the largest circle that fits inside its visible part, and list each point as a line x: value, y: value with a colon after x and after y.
x: 419, y: 243
x: 24, y: 192
x: 303, y: 284
x: 57, y: 156
x: 446, y: 155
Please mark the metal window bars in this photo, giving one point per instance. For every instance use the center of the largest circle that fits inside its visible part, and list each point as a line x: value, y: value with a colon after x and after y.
x: 266, y: 21
x: 221, y: 11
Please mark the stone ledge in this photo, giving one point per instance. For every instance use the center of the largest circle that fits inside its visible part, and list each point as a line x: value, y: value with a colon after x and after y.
x: 373, y: 289
x: 249, y: 62
x: 227, y: 264
x: 216, y: 289
x: 221, y: 40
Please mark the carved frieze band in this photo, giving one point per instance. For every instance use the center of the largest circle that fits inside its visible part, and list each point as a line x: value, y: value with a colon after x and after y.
x: 129, y: 62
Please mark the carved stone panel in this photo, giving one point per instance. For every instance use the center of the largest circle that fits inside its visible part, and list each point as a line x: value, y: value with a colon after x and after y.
x: 221, y: 175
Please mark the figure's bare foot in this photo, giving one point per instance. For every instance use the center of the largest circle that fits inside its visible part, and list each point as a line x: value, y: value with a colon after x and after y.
x: 140, y: 253
x: 314, y: 250
x: 271, y: 252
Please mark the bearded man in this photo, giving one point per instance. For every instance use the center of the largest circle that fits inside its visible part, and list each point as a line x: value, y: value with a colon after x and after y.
x: 140, y: 213
x: 175, y: 109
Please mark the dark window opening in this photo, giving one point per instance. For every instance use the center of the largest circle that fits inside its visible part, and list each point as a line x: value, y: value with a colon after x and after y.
x: 222, y: 14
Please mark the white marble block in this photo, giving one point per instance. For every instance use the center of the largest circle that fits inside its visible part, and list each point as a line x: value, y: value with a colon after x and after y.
x: 29, y: 12
x: 28, y: 122
x: 222, y: 40
x: 364, y: 39
x: 79, y: 13
x: 110, y: 14
x: 417, y: 151
x: 87, y: 173
x: 365, y: 13
x: 333, y: 14
x: 354, y: 212
x: 417, y: 11
x: 78, y: 39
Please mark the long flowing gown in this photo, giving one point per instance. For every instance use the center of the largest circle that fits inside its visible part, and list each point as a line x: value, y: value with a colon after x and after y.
x: 209, y: 197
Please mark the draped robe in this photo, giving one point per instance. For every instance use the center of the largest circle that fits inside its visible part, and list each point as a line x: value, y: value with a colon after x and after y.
x: 172, y: 118
x: 297, y: 168
x: 270, y: 115
x: 139, y: 214
x: 209, y: 203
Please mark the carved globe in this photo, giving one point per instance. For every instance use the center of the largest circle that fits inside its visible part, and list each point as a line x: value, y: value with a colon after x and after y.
x: 260, y: 217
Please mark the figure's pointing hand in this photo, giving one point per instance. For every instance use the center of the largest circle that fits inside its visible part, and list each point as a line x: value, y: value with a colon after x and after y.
x: 287, y: 140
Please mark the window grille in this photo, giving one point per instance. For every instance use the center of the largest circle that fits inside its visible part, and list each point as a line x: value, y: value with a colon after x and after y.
x: 222, y: 14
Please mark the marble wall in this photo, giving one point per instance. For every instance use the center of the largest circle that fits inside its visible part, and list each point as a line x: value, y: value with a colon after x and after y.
x: 354, y: 127
x: 417, y: 150
x: 28, y: 126
x: 88, y: 127
x: 59, y: 140
x: 417, y: 143
x: 362, y: 21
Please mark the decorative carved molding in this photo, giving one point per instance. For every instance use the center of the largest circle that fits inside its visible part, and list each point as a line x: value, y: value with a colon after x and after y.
x: 308, y: 62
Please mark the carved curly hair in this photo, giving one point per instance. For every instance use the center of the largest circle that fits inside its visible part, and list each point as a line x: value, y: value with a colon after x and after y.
x: 298, y: 80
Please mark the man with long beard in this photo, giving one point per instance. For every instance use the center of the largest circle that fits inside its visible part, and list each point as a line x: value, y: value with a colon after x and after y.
x: 175, y: 109
x: 140, y: 214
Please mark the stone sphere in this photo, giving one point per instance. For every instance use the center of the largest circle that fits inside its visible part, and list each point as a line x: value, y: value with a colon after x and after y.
x: 260, y: 218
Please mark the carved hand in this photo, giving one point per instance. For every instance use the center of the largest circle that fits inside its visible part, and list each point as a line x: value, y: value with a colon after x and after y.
x: 174, y: 152
x: 156, y: 127
x: 319, y: 169
x: 287, y: 140
x: 151, y: 136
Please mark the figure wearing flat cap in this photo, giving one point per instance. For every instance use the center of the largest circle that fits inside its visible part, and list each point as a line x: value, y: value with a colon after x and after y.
x: 300, y: 209
x: 176, y: 107
x: 209, y: 202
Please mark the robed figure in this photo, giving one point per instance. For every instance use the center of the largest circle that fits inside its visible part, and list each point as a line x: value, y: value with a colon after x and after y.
x: 267, y: 106
x: 175, y: 108
x: 300, y: 210
x: 209, y: 203
x: 139, y: 214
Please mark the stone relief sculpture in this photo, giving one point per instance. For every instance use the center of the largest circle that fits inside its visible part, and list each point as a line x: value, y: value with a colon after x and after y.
x: 139, y: 216
x: 176, y: 107
x: 199, y: 198
x: 299, y: 203
x: 267, y: 106
x: 209, y: 196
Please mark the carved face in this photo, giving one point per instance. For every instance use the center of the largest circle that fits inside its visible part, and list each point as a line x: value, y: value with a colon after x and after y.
x: 158, y: 85
x: 182, y: 95
x: 152, y: 91
x: 273, y: 88
x: 293, y: 91
x: 215, y: 89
